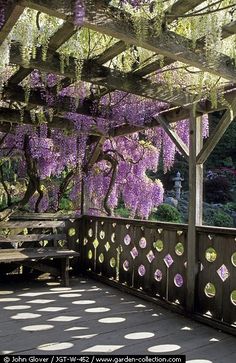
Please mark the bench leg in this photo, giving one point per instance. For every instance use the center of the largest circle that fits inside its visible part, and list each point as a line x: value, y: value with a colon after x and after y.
x: 65, y: 266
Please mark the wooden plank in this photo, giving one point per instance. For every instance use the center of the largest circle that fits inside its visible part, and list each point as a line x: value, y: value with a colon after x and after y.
x: 31, y: 237
x: 13, y: 116
x: 32, y: 224
x: 194, y: 193
x: 181, y: 146
x: 21, y: 254
x: 182, y: 6
x: 13, y: 12
x: 96, y: 152
x: 41, y: 267
x: 218, y: 132
x: 111, y: 52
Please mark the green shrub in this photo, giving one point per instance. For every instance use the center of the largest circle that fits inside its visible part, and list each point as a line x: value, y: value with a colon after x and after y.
x: 217, y: 190
x: 167, y: 213
x: 122, y: 212
x: 219, y: 219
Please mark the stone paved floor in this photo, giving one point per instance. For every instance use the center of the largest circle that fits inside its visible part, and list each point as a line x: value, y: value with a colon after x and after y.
x: 91, y: 318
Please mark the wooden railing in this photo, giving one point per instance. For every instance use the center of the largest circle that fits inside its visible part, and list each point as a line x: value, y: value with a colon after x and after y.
x: 151, y: 257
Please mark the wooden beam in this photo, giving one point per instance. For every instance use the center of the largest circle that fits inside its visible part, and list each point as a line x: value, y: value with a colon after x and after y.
x: 218, y: 132
x: 145, y: 69
x: 181, y: 146
x: 8, y: 115
x: 64, y: 33
x: 181, y: 7
x: 96, y: 152
x: 115, y: 23
x: 104, y: 76
x: 195, y: 192
x: 111, y: 52
x: 12, y: 14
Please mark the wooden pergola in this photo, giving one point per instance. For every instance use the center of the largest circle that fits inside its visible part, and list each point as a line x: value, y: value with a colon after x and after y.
x: 182, y: 104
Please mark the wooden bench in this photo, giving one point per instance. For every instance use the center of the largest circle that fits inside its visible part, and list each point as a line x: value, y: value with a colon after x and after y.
x: 32, y: 243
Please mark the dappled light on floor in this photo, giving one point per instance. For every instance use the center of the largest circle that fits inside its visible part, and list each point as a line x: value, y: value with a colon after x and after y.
x: 38, y: 327
x: 17, y: 307
x: 55, y: 346
x: 139, y: 335
x: 25, y: 316
x: 111, y: 320
x: 48, y: 318
x: 165, y: 348
x: 102, y: 349
x: 64, y: 318
x: 97, y: 310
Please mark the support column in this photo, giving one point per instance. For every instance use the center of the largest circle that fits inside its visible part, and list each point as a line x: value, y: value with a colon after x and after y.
x: 195, y: 205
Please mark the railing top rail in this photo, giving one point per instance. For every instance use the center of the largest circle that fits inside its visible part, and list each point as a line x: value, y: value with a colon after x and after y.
x: 151, y: 224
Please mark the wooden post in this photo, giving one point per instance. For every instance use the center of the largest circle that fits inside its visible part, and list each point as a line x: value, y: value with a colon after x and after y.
x: 195, y: 205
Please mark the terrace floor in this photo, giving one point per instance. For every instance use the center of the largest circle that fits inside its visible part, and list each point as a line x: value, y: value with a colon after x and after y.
x: 41, y: 317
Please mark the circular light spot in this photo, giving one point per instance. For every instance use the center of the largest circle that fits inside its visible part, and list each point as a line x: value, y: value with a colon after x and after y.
x: 6, y: 292
x: 179, y: 249
x: 90, y: 254
x: 113, y: 237
x: 126, y: 265
x: 127, y: 240
x: 17, y: 307
x: 139, y: 335
x: 71, y: 232
x: 37, y: 327
x: 111, y: 320
x: 113, y: 262
x: 158, y: 275
x: 55, y: 346
x: 61, y: 289
x: 102, y: 234
x: 210, y: 254
x: 97, y: 310
x: 90, y: 232
x: 142, y: 242
x: 178, y: 280
x: 101, y: 258
x: 164, y: 348
x: 141, y: 270
x: 158, y: 245
x: 70, y: 295
x: 25, y: 316
x: 233, y: 259
x: 52, y: 283
x: 199, y: 361
x: 9, y: 299
x: 210, y: 290
x: 84, y: 302
x: 233, y: 297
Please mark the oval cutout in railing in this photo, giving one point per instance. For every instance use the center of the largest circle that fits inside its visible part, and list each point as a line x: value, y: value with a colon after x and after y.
x: 179, y: 249
x: 158, y: 275
x: 233, y: 297
x: 210, y: 254
x: 158, y: 245
x: 233, y: 259
x: 210, y: 290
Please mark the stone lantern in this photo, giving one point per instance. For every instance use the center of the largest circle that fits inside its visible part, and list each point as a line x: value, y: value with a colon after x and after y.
x: 178, y: 186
